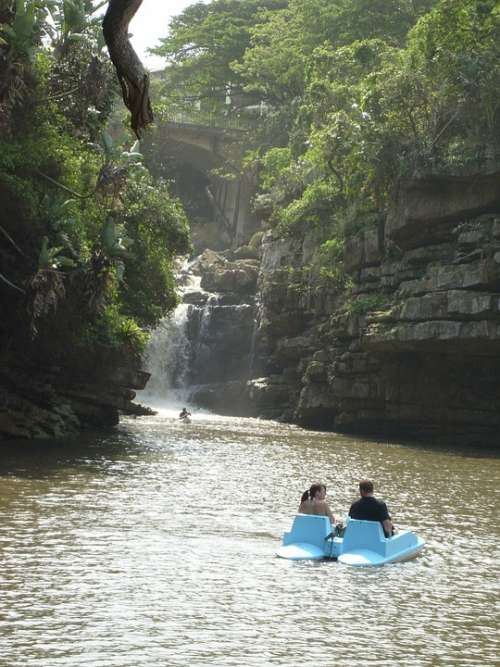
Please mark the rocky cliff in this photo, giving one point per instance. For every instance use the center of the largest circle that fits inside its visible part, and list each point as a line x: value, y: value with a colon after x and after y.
x: 54, y: 401
x: 413, y: 346
x: 222, y: 330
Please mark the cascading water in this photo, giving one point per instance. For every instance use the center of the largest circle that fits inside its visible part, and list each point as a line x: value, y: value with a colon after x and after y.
x: 167, y: 359
x: 168, y: 351
x: 202, y: 353
x: 253, y: 346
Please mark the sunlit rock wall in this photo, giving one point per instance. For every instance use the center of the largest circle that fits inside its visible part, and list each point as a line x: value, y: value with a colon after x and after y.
x: 413, y: 348
x: 294, y: 303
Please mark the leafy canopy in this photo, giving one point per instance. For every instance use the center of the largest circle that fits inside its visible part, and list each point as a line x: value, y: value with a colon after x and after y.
x: 89, y: 237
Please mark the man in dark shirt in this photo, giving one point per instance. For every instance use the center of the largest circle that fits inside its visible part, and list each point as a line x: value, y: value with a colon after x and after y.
x: 371, y: 509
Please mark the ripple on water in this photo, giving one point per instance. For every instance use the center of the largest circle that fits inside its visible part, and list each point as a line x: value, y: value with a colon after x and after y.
x: 155, y: 546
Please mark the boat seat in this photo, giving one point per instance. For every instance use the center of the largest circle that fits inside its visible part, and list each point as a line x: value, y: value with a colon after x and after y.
x: 360, y: 534
x: 309, y: 529
x: 365, y: 541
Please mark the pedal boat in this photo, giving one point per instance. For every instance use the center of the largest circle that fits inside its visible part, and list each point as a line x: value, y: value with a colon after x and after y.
x: 363, y: 542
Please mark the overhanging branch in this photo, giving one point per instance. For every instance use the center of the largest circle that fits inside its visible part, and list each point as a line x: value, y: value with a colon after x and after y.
x: 133, y: 78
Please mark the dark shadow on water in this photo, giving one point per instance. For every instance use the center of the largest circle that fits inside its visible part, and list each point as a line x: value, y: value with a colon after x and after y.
x: 443, y: 445
x: 39, y: 458
x: 472, y: 450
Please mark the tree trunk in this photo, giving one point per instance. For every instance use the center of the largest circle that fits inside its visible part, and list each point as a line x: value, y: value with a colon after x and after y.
x: 132, y: 76
x: 7, y: 14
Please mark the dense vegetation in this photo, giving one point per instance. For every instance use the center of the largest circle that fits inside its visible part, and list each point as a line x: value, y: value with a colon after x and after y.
x: 352, y: 95
x: 345, y: 98
x: 87, y: 236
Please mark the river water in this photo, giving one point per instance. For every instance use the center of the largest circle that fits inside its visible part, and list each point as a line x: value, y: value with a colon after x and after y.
x: 154, y: 546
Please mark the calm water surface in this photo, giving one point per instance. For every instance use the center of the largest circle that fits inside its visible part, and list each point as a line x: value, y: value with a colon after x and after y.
x: 154, y: 546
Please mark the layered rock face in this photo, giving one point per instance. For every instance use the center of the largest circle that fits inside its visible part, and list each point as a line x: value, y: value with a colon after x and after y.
x: 294, y: 304
x: 38, y: 401
x: 414, y: 346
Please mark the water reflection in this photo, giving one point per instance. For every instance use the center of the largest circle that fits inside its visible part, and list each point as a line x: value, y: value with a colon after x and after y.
x: 154, y: 545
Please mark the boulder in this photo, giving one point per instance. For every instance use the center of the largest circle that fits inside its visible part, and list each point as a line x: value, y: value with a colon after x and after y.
x: 315, y: 408
x: 221, y: 275
x: 246, y: 252
x: 196, y: 297
x: 226, y: 398
x: 270, y: 392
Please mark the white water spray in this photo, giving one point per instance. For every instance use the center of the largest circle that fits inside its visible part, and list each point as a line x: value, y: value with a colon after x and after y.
x: 202, y: 345
x: 166, y: 358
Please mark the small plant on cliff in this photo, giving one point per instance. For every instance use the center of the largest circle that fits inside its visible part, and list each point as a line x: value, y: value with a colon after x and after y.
x: 365, y: 303
x: 331, y: 255
x: 132, y: 336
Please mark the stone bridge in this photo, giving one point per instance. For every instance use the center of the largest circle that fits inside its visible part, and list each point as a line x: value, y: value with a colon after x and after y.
x: 208, y: 144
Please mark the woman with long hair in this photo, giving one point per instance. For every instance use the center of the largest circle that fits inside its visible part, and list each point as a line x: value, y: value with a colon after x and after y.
x: 313, y: 501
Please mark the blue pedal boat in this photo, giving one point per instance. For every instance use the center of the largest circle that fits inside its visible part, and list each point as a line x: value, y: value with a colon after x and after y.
x: 363, y: 542
x: 310, y: 539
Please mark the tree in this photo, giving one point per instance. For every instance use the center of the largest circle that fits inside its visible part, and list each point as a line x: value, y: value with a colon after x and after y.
x: 84, y: 225
x: 133, y: 78
x: 282, y: 42
x: 203, y: 42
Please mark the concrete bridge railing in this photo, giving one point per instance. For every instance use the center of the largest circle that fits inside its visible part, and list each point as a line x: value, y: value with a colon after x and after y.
x: 211, y: 120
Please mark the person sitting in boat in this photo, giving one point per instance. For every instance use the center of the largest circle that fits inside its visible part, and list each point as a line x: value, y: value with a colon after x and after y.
x: 369, y: 508
x: 313, y: 501
x: 184, y: 414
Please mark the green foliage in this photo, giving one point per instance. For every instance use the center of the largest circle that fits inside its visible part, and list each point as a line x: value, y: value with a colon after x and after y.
x: 331, y: 260
x: 111, y: 328
x: 21, y: 35
x: 272, y: 67
x: 365, y: 303
x: 377, y: 100
x: 94, y: 235
x: 324, y: 150
x: 132, y: 336
x: 455, y: 51
x: 283, y: 41
x: 70, y: 20
x: 158, y: 229
x: 202, y: 43
x: 274, y: 162
x: 52, y: 257
x: 354, y: 94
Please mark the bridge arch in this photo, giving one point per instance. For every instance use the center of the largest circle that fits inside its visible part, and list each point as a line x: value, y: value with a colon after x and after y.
x: 206, y: 148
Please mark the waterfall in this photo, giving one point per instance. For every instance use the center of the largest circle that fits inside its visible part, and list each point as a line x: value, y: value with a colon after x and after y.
x: 204, y: 352
x: 167, y: 359
x: 200, y: 338
x: 253, y: 344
